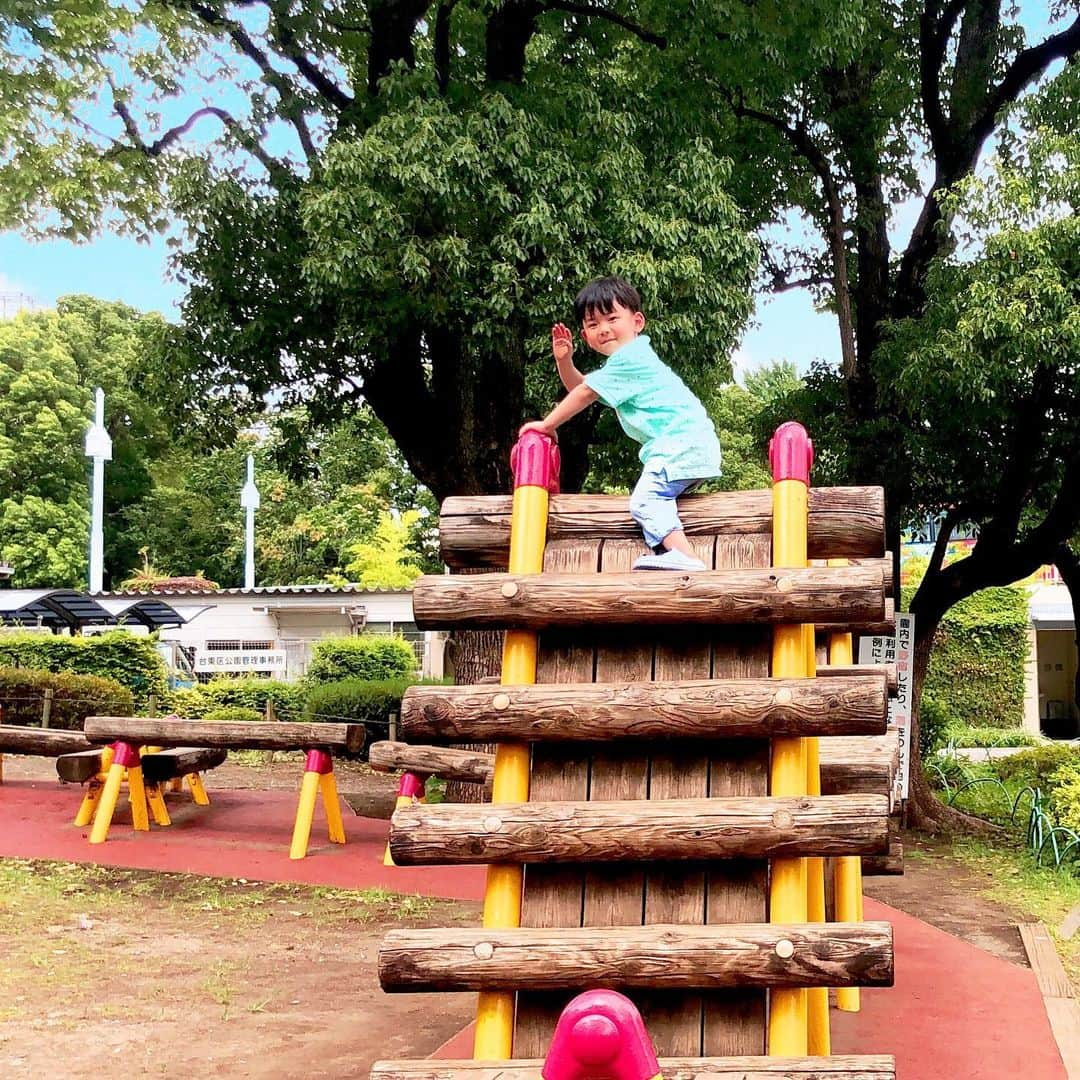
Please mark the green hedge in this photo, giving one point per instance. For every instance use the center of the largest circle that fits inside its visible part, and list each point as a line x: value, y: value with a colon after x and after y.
x: 197, y: 701
x: 233, y: 714
x: 130, y: 659
x: 1054, y: 768
x: 362, y: 701
x: 371, y: 657
x: 976, y: 672
x: 75, y: 697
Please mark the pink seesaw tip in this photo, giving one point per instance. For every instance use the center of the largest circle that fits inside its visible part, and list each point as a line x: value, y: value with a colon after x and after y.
x: 791, y: 453
x: 600, y: 1036
x: 535, y: 462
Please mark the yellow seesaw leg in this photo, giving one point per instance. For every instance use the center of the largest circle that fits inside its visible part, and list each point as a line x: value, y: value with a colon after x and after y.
x: 110, y: 792
x: 305, y: 813
x: 332, y: 806
x: 140, y: 818
x: 198, y: 792
x: 156, y: 799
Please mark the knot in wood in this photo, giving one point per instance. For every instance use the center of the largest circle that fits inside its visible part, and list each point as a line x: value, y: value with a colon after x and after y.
x: 785, y: 949
x: 782, y: 696
x: 782, y: 819
x: 785, y: 584
x: 501, y: 701
x: 483, y: 950
x: 492, y: 823
x: 509, y: 589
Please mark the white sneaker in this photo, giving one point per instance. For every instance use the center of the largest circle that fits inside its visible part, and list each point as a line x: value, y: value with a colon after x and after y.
x: 669, y: 560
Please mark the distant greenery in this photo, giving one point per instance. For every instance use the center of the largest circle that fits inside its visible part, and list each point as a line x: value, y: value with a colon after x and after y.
x: 75, y: 697
x: 368, y: 657
x: 198, y: 701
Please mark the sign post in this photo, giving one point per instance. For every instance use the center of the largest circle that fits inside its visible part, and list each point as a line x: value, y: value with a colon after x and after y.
x: 249, y: 500
x: 99, y: 449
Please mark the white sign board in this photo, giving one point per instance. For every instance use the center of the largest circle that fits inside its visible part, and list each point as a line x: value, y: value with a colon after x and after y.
x: 240, y: 660
x: 899, y: 651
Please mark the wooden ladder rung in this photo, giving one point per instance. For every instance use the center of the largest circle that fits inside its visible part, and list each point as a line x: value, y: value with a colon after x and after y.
x: 841, y: 1067
x: 752, y: 827
x: 690, y: 709
x: 639, y: 957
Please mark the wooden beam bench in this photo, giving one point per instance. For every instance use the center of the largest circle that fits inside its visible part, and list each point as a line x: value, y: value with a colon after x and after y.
x: 38, y: 742
x: 128, y: 734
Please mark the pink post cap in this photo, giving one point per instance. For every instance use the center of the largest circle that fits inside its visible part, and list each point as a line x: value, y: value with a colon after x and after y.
x: 600, y: 1036
x: 791, y: 453
x: 126, y: 754
x: 318, y: 761
x: 535, y: 462
x: 410, y: 786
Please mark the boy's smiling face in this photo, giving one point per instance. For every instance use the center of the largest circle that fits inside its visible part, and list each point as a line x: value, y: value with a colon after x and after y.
x: 607, y: 331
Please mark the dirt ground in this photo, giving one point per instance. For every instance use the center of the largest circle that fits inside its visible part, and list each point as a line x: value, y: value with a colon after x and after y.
x: 271, y: 981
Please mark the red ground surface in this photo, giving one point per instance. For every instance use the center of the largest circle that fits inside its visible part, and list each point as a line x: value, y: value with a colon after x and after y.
x: 955, y: 1011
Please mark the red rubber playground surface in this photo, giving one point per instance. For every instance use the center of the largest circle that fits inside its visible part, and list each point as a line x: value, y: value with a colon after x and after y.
x: 956, y: 1012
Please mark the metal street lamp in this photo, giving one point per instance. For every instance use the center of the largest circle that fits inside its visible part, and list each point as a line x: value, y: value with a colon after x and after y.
x: 99, y: 448
x: 249, y: 500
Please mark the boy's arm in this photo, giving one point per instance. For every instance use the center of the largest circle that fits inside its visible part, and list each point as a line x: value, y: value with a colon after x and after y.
x: 581, y: 397
x: 562, y: 348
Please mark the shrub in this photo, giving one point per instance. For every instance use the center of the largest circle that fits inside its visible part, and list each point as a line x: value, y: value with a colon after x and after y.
x: 963, y: 736
x: 1038, y: 767
x: 233, y: 714
x: 1065, y: 795
x: 370, y: 657
x: 196, y: 702
x: 131, y: 659
x: 933, y: 725
x: 361, y: 701
x: 75, y: 697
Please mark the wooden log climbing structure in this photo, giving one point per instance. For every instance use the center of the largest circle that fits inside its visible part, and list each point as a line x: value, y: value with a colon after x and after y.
x: 656, y: 824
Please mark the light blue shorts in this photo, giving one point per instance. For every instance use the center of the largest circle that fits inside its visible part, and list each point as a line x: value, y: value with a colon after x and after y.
x: 652, y: 504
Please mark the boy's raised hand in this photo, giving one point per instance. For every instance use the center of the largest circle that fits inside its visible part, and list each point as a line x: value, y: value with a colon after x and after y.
x: 562, y: 343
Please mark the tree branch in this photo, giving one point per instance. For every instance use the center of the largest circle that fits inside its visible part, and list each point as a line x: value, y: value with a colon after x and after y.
x: 779, y: 282
x: 442, y: 45
x: 285, y: 37
x: 592, y: 11
x: 934, y: 32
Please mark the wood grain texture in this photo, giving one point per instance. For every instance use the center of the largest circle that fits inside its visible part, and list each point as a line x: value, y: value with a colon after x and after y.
x: 165, y: 765
x: 842, y: 522
x: 858, y: 670
x: 643, y: 957
x: 233, y: 735
x: 691, y: 708
x: 875, y: 1067
x: 715, y: 597
x: 42, y: 742
x: 640, y: 830
x: 468, y: 766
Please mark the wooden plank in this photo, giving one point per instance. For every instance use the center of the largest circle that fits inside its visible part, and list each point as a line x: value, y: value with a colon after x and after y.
x: 876, y: 1067
x: 759, y: 954
x: 734, y: 1020
x: 468, y: 766
x: 80, y: 766
x: 714, y: 597
x: 233, y: 735
x: 16, y: 739
x: 639, y: 830
x: 1044, y: 960
x: 1064, y: 1016
x: 886, y: 625
x: 842, y: 522
x: 857, y: 670
x: 553, y: 895
x: 669, y: 708
x: 84, y: 765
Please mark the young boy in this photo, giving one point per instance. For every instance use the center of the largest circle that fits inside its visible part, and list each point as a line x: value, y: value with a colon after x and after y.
x: 679, y: 445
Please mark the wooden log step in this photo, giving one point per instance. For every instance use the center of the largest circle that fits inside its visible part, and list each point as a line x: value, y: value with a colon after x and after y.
x: 599, y: 712
x: 885, y: 625
x: 865, y: 764
x: 729, y: 597
x: 842, y: 671
x: 842, y: 522
x: 838, y: 1067
x: 466, y: 766
x: 891, y: 863
x: 163, y: 765
x: 642, y: 957
x: 42, y: 742
x: 233, y: 735
x: 752, y: 827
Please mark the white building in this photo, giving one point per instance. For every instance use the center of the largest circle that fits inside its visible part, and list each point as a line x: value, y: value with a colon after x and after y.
x: 1050, y: 703
x: 270, y: 630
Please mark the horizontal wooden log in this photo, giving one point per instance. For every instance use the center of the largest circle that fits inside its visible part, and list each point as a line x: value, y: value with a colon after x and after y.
x: 42, y: 742
x: 233, y: 735
x: 845, y: 671
x: 694, y: 709
x: 642, y: 957
x: 884, y: 626
x: 884, y: 865
x: 842, y: 522
x: 164, y: 765
x: 863, y: 764
x: 650, y: 598
x: 838, y: 1067
x: 463, y: 765
x: 752, y: 827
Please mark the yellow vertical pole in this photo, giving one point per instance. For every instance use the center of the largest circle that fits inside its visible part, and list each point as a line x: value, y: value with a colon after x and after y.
x: 535, y: 462
x: 93, y: 790
x: 125, y: 757
x: 847, y: 872
x: 791, y: 455
x: 335, y: 827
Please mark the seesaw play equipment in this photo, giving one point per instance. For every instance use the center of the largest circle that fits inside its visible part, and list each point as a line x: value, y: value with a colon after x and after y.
x: 656, y: 833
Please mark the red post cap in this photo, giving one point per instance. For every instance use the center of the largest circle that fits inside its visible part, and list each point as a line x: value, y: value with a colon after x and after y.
x: 126, y: 754
x: 535, y: 462
x: 318, y: 761
x: 791, y: 453
x: 600, y: 1036
x: 410, y: 786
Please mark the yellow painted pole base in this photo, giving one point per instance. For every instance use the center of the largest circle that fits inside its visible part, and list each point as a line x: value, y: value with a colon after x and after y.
x: 305, y: 814
x: 156, y: 798
x: 89, y: 802
x: 140, y: 817
x: 331, y: 804
x: 110, y: 793
x: 198, y: 792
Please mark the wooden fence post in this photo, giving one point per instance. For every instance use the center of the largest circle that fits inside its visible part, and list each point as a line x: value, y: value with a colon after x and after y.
x: 46, y: 707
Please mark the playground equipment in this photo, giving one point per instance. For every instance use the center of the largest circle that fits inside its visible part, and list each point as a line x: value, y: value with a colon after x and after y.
x: 38, y: 742
x: 318, y: 741
x: 634, y: 826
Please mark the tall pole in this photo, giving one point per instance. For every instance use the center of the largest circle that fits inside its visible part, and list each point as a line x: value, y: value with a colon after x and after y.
x: 99, y: 449
x: 249, y: 500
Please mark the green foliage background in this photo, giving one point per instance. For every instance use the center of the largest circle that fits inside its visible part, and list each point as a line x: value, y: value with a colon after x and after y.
x: 129, y: 659
x: 198, y: 701
x: 369, y: 657
x: 75, y: 697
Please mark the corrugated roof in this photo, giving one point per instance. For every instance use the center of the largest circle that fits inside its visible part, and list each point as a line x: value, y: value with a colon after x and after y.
x: 260, y: 590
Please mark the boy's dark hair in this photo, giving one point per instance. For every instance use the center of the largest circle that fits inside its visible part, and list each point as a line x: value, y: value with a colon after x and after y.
x: 603, y: 294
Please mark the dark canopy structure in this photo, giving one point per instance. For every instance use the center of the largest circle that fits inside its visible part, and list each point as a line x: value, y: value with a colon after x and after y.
x: 69, y: 609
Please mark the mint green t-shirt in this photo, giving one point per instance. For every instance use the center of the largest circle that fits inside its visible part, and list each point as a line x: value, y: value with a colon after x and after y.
x: 657, y: 409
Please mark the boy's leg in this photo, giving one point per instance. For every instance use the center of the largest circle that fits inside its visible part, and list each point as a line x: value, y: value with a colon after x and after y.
x: 652, y: 505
